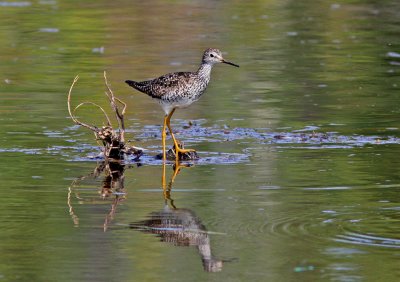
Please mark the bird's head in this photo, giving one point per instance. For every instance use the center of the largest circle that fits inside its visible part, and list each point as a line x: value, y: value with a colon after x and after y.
x: 213, y: 56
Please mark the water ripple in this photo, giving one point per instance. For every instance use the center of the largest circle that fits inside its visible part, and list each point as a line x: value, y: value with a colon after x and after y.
x: 283, y: 227
x: 292, y: 227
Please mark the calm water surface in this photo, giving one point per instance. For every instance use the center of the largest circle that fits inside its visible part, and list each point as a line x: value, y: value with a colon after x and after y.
x: 299, y: 172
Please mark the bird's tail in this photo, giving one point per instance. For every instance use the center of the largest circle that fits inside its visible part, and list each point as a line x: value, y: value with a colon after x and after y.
x: 142, y: 86
x: 131, y: 83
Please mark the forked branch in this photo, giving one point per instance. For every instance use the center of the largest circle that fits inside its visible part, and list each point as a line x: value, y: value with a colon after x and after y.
x: 113, y: 142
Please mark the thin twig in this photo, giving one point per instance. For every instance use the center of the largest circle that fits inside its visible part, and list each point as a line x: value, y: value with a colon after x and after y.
x: 111, y: 99
x: 74, y: 217
x: 96, y: 105
x: 123, y: 104
x: 122, y: 125
x: 110, y: 216
x: 69, y: 108
x: 119, y: 116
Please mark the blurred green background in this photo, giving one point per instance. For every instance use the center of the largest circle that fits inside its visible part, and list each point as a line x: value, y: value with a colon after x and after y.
x: 286, y: 212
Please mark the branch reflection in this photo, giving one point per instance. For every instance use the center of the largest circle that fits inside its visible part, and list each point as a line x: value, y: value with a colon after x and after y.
x: 179, y: 226
x: 112, y: 184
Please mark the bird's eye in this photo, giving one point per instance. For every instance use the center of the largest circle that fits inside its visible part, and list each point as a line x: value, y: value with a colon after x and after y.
x: 212, y: 55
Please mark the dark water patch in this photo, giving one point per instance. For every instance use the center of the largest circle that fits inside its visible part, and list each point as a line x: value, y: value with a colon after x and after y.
x: 393, y: 55
x: 331, y: 140
x: 182, y: 190
x: 55, y: 134
x: 343, y: 251
x: 196, y: 133
x: 49, y: 29
x: 90, y: 152
x: 15, y: 4
x: 326, y: 188
x: 324, y: 146
x: 368, y: 240
x: 21, y: 150
x: 150, y: 158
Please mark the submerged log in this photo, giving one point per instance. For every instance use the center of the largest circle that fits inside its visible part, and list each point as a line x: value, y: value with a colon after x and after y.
x: 114, y: 145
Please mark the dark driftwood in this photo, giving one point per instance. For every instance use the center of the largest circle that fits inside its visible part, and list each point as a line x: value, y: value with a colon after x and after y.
x: 114, y: 146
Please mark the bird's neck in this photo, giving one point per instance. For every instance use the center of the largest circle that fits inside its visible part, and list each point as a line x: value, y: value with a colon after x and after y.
x: 204, y: 71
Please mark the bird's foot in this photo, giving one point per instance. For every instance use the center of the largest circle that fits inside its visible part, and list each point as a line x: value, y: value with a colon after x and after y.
x: 183, y: 154
x: 180, y: 154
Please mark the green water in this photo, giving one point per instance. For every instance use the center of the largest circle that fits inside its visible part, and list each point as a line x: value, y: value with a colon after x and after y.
x: 268, y: 208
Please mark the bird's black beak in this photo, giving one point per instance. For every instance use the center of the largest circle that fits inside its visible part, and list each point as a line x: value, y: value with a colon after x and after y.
x: 229, y: 63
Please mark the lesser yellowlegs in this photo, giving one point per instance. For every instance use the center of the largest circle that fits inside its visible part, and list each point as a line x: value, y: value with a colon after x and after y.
x: 179, y: 90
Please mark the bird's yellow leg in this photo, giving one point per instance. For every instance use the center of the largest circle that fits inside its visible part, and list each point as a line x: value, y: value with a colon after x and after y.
x: 163, y: 181
x: 168, y: 119
x: 176, y: 143
x: 163, y: 137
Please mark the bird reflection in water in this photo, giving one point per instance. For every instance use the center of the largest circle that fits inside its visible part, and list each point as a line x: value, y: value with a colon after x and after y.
x: 180, y: 226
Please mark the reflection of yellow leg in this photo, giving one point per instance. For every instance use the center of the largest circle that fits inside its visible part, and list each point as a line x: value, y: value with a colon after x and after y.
x: 176, y: 143
x: 168, y: 187
x: 164, y: 183
x: 177, y: 168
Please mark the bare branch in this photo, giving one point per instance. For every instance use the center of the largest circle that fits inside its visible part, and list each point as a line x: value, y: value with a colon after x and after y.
x: 74, y: 217
x: 96, y: 105
x: 93, y: 128
x: 114, y: 147
x: 123, y: 106
x: 119, y: 116
x: 112, y: 99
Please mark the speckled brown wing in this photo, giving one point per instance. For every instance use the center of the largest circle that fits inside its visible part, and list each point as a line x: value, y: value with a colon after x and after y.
x: 165, y: 85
